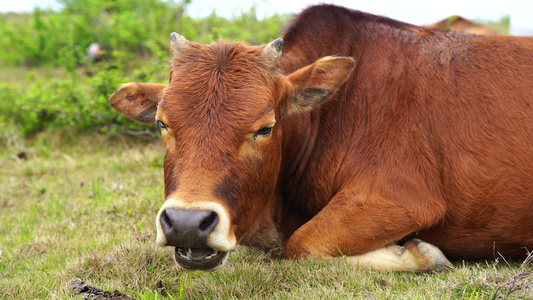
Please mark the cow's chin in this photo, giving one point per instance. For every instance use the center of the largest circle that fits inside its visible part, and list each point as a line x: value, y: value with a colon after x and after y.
x: 200, y: 259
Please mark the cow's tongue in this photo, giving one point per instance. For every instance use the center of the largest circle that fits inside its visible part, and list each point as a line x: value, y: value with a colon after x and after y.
x: 198, y: 254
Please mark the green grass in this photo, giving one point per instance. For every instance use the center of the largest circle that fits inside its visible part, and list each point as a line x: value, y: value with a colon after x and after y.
x: 84, y: 206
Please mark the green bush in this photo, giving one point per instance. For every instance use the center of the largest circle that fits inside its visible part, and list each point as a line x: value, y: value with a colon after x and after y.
x: 60, y: 39
x: 79, y: 102
x: 138, y: 27
x: 57, y: 103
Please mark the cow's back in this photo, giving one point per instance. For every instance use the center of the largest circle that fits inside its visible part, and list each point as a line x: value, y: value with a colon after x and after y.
x: 445, y: 116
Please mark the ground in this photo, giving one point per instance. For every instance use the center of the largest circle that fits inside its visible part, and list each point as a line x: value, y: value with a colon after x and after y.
x: 83, y: 206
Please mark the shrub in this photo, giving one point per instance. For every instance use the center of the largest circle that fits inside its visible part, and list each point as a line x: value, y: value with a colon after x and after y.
x: 77, y: 102
x: 138, y: 27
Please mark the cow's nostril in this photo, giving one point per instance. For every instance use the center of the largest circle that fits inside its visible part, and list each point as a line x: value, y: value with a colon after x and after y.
x: 165, y: 222
x: 209, y: 223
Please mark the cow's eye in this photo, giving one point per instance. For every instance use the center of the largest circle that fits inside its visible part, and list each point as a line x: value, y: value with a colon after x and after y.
x: 263, y: 131
x: 161, y: 125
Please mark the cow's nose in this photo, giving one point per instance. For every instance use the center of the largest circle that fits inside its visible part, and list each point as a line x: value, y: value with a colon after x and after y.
x: 188, y: 228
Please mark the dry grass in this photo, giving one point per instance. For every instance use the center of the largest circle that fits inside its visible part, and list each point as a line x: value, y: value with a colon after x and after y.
x: 85, y: 207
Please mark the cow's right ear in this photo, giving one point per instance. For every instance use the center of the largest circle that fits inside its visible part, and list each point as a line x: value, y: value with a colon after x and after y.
x: 315, y: 83
x: 138, y: 101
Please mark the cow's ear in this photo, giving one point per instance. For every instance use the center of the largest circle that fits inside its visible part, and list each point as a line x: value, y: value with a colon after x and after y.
x: 313, y: 84
x: 138, y: 101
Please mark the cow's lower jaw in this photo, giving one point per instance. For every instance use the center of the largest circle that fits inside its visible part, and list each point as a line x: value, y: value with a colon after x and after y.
x: 200, y: 259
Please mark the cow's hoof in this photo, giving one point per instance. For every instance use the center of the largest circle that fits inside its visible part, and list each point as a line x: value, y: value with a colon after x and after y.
x: 200, y: 259
x: 414, y: 256
x: 429, y: 256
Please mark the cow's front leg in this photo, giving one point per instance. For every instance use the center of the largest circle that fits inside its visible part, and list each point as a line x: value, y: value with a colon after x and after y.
x: 365, y: 233
x: 415, y: 256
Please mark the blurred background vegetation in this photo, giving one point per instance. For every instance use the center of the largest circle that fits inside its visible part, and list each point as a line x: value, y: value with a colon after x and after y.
x: 48, y: 82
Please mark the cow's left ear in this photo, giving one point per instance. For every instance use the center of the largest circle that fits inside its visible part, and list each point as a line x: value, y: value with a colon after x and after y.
x: 138, y: 101
x: 313, y: 84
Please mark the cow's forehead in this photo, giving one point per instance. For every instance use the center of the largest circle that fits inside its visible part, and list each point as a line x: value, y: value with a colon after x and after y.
x: 236, y: 63
x: 223, y: 82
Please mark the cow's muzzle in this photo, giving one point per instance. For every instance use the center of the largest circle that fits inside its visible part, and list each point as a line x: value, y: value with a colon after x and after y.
x: 188, y: 232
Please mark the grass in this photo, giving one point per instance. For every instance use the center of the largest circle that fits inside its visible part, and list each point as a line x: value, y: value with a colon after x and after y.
x: 84, y: 206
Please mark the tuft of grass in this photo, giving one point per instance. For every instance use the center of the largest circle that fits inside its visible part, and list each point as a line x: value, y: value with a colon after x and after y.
x: 85, y: 206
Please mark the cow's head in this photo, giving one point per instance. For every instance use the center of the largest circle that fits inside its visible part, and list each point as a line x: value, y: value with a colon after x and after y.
x: 220, y: 122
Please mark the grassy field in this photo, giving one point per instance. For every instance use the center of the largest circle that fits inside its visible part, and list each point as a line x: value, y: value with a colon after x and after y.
x: 84, y: 206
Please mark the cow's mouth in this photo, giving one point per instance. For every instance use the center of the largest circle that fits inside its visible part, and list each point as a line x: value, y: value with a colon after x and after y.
x: 199, y: 258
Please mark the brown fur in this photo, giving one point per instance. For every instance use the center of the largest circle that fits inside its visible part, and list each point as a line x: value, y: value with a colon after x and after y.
x: 429, y: 137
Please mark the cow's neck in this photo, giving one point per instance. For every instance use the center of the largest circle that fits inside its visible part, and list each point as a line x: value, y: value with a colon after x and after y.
x: 299, y: 137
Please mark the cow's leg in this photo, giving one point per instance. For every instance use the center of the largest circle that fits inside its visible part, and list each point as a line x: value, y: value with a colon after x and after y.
x: 364, y: 231
x: 415, y: 255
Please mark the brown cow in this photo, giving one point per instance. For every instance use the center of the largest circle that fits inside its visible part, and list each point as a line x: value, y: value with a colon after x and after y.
x: 428, y: 136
